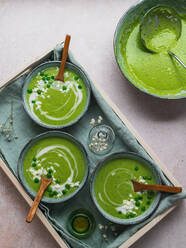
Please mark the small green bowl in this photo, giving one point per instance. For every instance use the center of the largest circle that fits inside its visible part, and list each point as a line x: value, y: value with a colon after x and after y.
x: 48, y: 134
x: 45, y: 66
x: 86, y: 215
x: 132, y: 156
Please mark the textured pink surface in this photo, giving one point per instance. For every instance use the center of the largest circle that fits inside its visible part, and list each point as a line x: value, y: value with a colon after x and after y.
x: 29, y: 28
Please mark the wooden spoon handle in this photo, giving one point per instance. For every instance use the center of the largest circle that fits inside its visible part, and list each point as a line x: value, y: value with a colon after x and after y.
x: 140, y: 186
x: 44, y: 184
x: 60, y: 75
x: 164, y: 188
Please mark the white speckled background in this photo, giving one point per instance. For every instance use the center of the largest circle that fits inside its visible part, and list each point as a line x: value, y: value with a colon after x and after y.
x: 27, y: 29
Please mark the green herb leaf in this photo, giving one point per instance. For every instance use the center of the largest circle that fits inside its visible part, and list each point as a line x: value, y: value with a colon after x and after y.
x: 36, y: 180
x: 29, y: 91
x: 67, y: 186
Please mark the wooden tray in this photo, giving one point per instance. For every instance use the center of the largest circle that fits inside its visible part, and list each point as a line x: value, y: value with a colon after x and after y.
x: 39, y: 213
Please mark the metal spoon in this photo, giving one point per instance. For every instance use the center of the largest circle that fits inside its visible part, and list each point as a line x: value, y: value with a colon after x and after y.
x: 160, y: 28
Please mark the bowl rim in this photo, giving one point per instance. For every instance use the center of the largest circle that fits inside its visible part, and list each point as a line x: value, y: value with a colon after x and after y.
x: 42, y: 124
x: 33, y: 141
x: 124, y: 74
x: 111, y: 218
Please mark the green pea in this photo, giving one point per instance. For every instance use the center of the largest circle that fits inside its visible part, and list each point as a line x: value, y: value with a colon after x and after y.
x: 119, y: 212
x: 148, y: 202
x: 64, y: 191
x: 34, y: 159
x: 43, y: 78
x: 136, y: 168
x: 34, y: 164
x: 149, y: 178
x: 39, y: 92
x: 67, y: 186
x: 50, y: 170
x: 145, y: 177
x: 150, y: 192
x: 143, y: 208
x: 33, y: 101
x: 42, y: 73
x: 48, y: 85
x: 49, y: 189
x: 140, y: 197
x: 49, y: 175
x: 127, y: 215
x: 136, y: 198
x: 48, y: 78
x: 29, y: 91
x: 64, y: 87
x: 52, y: 77
x: 36, y: 180
x: 76, y: 77
x: 137, y: 204
x: 79, y: 86
x: 132, y: 215
x: 55, y: 193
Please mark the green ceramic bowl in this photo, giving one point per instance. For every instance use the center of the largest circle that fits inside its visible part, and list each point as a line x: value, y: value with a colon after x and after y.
x: 45, y: 66
x: 135, y: 14
x: 48, y: 134
x: 135, y: 157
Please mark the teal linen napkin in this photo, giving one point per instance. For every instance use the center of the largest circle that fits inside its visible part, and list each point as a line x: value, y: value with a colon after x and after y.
x: 57, y: 214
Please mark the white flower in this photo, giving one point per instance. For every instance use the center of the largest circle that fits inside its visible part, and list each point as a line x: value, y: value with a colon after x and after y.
x: 92, y: 122
x: 100, y: 226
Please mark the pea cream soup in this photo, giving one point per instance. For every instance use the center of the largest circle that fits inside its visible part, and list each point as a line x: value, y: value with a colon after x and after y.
x: 56, y: 158
x: 155, y: 73
x: 54, y: 102
x: 114, y: 191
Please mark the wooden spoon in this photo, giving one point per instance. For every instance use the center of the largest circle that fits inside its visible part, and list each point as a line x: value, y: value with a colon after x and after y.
x: 60, y: 75
x: 44, y: 184
x: 171, y: 189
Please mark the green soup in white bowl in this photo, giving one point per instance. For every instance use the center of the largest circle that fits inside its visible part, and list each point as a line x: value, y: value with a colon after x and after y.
x: 56, y: 104
x: 55, y: 155
x: 112, y: 190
